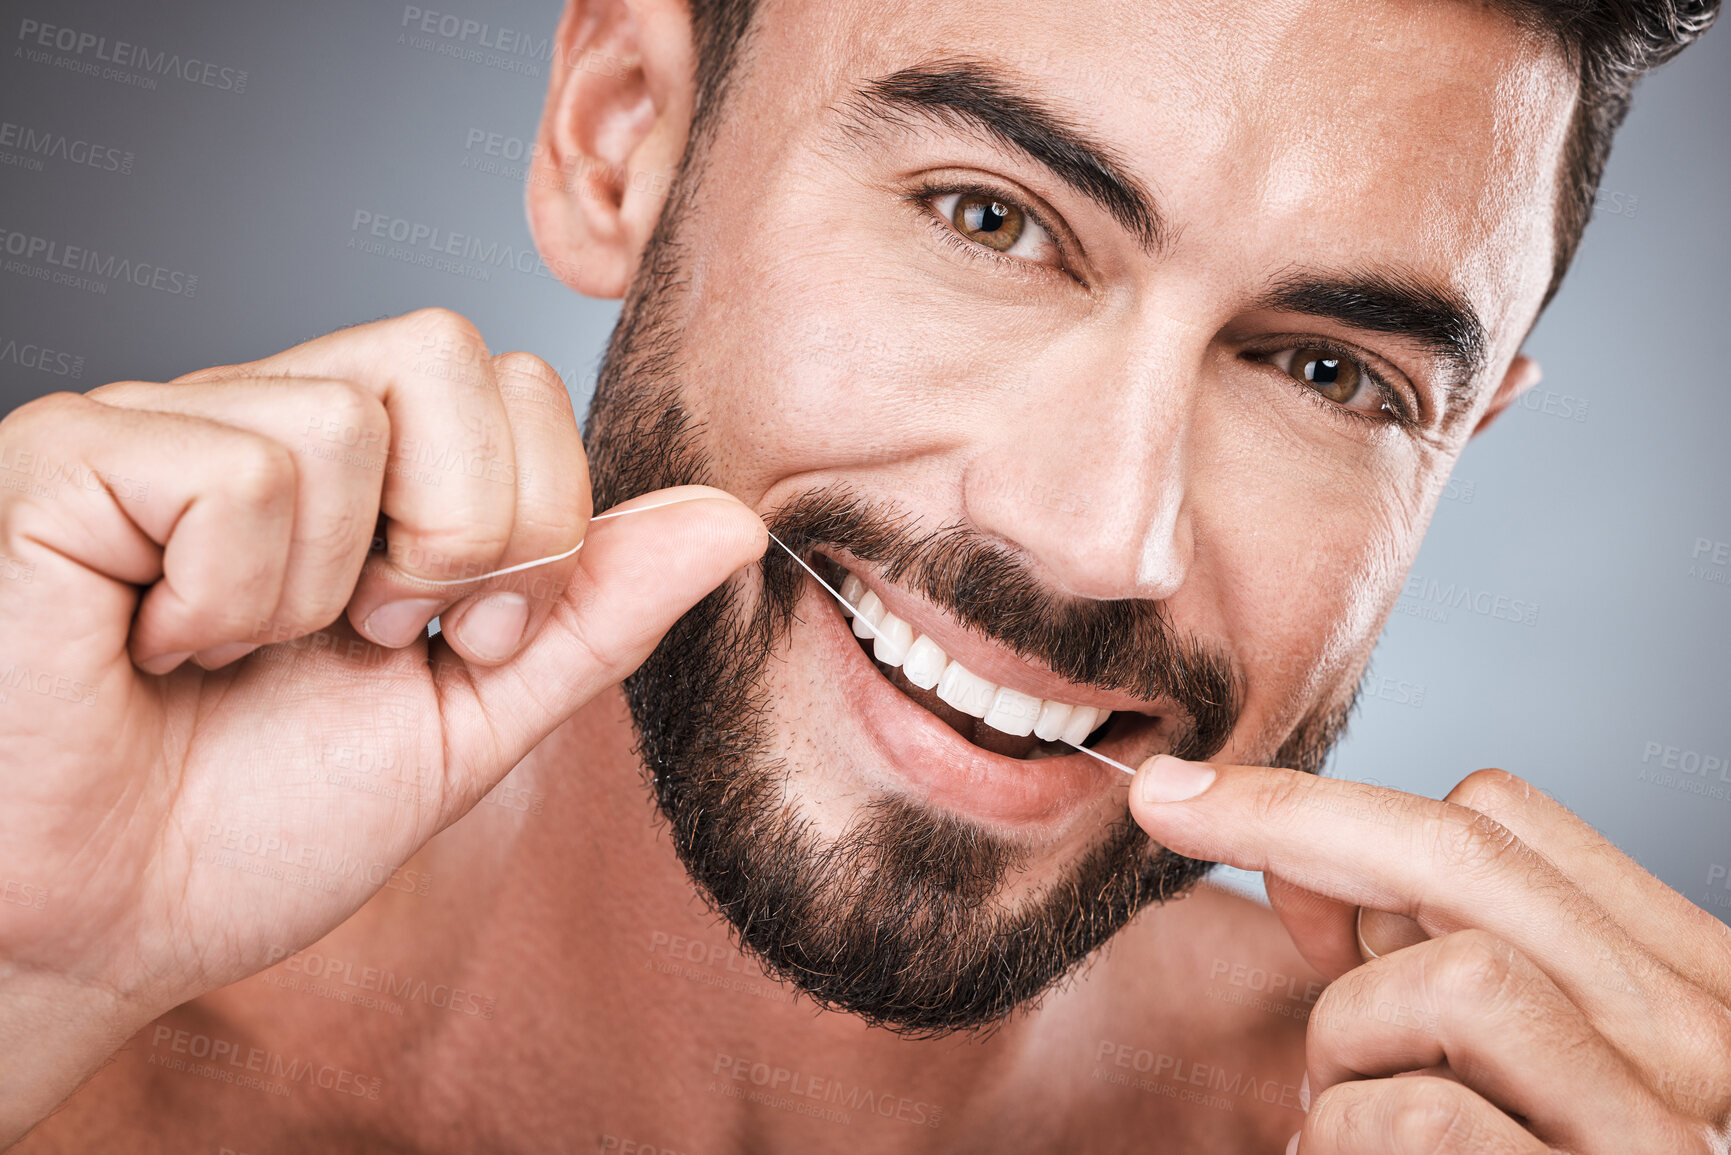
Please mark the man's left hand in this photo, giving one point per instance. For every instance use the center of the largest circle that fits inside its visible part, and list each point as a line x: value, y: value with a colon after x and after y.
x: 1550, y: 995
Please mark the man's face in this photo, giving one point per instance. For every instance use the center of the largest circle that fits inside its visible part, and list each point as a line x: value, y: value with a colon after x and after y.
x: 1122, y: 351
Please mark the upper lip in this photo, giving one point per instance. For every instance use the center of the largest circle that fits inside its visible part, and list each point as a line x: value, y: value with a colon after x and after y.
x: 988, y: 659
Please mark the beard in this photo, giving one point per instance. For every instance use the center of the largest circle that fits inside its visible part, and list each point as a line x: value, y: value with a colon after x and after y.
x: 900, y: 919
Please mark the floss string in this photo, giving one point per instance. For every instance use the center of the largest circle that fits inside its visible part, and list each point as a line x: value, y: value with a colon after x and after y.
x: 831, y: 590
x: 859, y: 617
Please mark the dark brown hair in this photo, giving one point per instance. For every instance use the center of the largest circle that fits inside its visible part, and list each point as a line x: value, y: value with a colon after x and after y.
x: 1611, y: 42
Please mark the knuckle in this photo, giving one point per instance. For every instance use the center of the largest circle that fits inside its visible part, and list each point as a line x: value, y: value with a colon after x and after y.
x: 1431, y: 1116
x: 295, y: 621
x: 1476, y: 844
x: 1476, y: 970
x: 216, y: 373
x: 317, y: 603
x: 518, y: 363
x: 1492, y: 791
x: 438, y: 325
x: 26, y: 419
x: 465, y: 549
x: 350, y: 407
x: 1278, y: 796
x: 21, y: 520
x: 1336, y: 1009
x: 30, y: 429
x: 530, y: 385
x: 1341, y: 1113
x: 339, y: 542
x: 603, y: 650
x: 545, y: 537
x: 260, y: 473
x: 138, y: 393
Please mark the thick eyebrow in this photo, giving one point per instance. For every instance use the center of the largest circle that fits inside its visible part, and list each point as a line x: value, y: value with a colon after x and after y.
x: 968, y: 94
x: 1436, y: 318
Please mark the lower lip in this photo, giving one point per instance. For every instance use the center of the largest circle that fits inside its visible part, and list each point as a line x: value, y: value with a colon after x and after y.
x: 927, y: 758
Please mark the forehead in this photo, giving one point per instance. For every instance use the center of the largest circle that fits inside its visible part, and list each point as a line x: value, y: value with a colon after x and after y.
x: 1417, y: 133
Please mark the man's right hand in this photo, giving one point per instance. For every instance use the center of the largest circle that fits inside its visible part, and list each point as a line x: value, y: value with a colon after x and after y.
x: 167, y: 819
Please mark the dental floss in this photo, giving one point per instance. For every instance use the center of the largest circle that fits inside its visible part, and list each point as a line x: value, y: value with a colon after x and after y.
x: 433, y: 626
x: 543, y: 560
x: 1113, y: 762
x: 859, y: 617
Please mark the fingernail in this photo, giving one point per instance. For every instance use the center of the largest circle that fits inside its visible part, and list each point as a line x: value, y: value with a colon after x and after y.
x: 1292, y: 1143
x: 1304, y: 1093
x: 396, y: 624
x: 215, y: 657
x: 163, y: 663
x: 1169, y: 779
x: 494, y: 625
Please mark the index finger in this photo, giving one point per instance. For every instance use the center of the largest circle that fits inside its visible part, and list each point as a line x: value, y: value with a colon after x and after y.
x: 450, y: 472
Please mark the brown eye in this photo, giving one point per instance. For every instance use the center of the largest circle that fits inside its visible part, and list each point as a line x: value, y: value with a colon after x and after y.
x: 1333, y: 376
x: 989, y: 221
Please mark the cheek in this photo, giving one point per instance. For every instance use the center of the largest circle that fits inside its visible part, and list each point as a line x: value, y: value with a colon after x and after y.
x: 1302, y: 556
x: 833, y: 362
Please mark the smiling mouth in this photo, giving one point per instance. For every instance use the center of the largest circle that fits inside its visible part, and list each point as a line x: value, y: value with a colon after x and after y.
x: 993, y: 717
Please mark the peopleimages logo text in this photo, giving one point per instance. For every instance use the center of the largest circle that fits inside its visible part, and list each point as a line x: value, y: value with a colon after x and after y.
x: 433, y: 241
x: 1421, y: 593
x: 28, y: 355
x: 110, y: 266
x: 478, y: 32
x: 58, y: 146
x: 125, y: 54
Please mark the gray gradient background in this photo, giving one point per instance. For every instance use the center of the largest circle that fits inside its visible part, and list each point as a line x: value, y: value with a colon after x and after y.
x: 1590, y: 512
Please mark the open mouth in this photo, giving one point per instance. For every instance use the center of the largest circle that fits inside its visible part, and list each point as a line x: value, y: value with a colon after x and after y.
x: 998, y: 718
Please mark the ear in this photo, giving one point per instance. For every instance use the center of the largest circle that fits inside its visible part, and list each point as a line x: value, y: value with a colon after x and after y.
x: 619, y: 99
x: 1523, y: 374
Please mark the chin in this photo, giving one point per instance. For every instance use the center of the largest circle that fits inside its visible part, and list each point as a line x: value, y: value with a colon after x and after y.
x: 895, y: 856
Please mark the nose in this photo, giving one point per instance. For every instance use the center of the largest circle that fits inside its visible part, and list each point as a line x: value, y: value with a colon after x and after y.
x: 1086, y: 474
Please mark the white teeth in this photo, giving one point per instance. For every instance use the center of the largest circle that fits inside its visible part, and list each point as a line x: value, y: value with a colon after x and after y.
x: 853, y: 590
x: 1082, y: 721
x: 1013, y: 712
x: 894, y: 638
x: 1050, y: 723
x: 924, y: 663
x: 965, y: 690
x: 872, y: 611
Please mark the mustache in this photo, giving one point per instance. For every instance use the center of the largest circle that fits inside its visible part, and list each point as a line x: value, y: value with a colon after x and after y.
x: 1125, y: 645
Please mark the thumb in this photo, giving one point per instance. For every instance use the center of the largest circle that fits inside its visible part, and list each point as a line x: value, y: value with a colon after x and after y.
x: 635, y: 577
